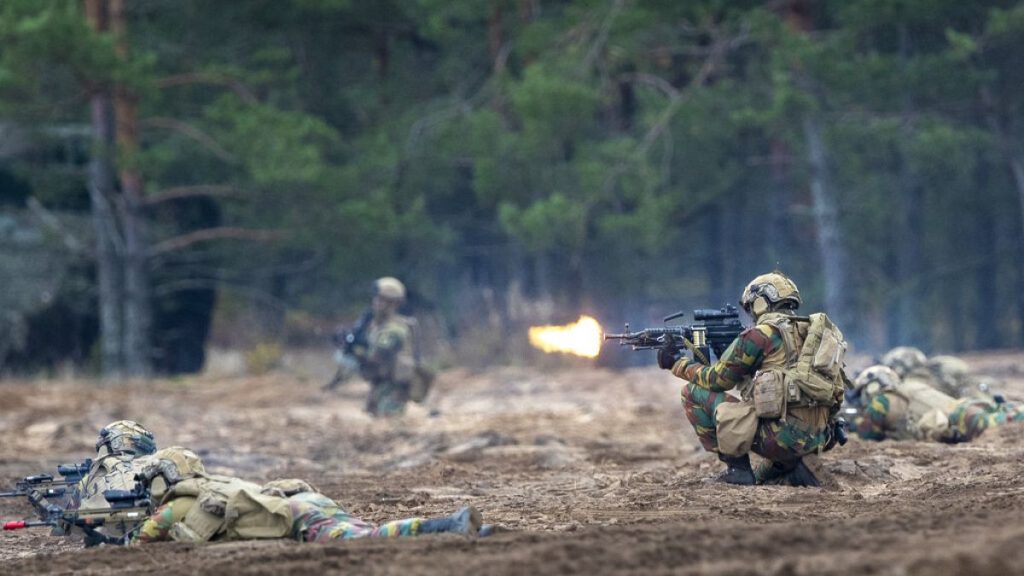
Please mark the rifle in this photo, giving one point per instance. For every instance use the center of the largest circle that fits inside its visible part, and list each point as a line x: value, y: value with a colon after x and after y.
x: 347, y: 341
x: 127, y: 509
x: 712, y: 330
x: 48, y: 486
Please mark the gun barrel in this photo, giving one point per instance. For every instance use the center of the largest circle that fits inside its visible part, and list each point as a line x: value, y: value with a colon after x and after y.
x: 19, y: 524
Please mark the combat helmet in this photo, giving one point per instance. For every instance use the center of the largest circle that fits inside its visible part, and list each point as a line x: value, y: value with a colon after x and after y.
x: 125, y: 437
x: 770, y: 291
x: 390, y: 288
x: 950, y: 371
x: 874, y: 380
x: 904, y: 359
x: 169, y: 466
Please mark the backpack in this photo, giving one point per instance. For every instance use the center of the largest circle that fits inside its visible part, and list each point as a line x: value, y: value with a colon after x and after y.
x: 818, y: 372
x: 812, y: 377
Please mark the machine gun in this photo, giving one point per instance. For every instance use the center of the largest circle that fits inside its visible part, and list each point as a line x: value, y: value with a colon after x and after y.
x: 127, y: 509
x: 712, y: 331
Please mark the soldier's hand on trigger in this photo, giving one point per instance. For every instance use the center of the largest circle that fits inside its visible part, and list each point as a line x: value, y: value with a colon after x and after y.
x: 668, y: 356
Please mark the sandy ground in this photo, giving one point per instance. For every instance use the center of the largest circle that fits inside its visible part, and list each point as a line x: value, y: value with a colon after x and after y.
x: 592, y: 471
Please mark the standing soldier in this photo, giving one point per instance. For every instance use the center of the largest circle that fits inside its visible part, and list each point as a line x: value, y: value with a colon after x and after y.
x: 387, y: 358
x: 788, y: 370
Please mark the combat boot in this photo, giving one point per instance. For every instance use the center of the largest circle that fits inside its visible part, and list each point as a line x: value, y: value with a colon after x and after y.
x: 738, y: 471
x: 801, y: 475
x: 466, y: 521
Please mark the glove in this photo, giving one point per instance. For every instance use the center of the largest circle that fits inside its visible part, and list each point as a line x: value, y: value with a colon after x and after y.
x: 667, y: 357
x: 837, y: 434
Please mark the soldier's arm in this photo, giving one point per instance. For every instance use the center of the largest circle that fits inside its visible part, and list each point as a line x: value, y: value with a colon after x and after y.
x: 157, y: 527
x: 740, y: 360
x: 871, y: 423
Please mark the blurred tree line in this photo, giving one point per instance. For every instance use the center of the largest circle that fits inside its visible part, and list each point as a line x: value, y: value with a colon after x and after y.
x: 519, y: 161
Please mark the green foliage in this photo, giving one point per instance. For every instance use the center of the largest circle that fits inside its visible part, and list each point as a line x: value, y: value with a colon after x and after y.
x: 564, y: 147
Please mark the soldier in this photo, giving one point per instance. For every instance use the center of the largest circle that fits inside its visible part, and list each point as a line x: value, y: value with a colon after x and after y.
x: 386, y: 358
x: 787, y: 411
x: 948, y: 374
x: 911, y: 409
x: 905, y: 359
x: 121, y: 449
x: 195, y: 506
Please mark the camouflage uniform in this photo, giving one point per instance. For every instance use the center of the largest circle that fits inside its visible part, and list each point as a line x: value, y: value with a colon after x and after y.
x: 387, y: 363
x: 913, y: 410
x: 122, y: 450
x: 318, y: 518
x: 802, y: 432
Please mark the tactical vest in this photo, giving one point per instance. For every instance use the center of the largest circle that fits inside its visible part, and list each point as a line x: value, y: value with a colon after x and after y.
x: 805, y: 376
x: 925, y: 411
x: 402, y: 367
x: 229, y: 508
x: 110, y: 472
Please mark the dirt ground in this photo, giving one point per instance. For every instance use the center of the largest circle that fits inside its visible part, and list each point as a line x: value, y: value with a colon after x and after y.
x: 592, y: 471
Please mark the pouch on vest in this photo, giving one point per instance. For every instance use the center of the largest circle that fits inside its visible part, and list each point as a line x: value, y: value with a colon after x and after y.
x: 199, y: 525
x: 769, y: 393
x: 182, y: 533
x: 254, y: 515
x: 819, y: 366
x: 736, y: 424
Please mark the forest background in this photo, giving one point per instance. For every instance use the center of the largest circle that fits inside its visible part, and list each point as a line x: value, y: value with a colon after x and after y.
x: 176, y: 173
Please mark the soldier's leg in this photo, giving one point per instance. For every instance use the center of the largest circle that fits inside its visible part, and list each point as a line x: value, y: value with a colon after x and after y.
x: 373, y: 398
x: 699, y: 405
x: 782, y: 444
x: 392, y: 397
x: 971, y: 418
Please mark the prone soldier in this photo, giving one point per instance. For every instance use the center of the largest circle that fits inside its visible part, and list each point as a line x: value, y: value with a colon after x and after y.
x: 910, y: 408
x: 195, y: 506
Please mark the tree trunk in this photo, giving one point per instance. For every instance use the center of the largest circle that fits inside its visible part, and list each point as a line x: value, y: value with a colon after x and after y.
x: 823, y: 197
x: 909, y: 224
x: 826, y: 216
x: 1017, y: 167
x: 137, y: 304
x: 104, y: 220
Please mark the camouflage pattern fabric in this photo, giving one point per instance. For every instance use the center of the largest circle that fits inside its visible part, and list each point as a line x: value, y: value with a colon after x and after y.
x: 110, y: 472
x: 738, y: 363
x: 776, y: 440
x: 387, y: 364
x: 883, y: 417
x: 157, y: 528
x: 972, y: 417
x: 387, y: 397
x: 317, y: 518
x: 872, y: 423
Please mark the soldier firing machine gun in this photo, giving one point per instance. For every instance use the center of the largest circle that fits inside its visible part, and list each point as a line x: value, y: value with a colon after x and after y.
x: 712, y: 331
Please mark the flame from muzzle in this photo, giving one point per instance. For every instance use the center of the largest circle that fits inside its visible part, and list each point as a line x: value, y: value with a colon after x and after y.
x: 582, y: 338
